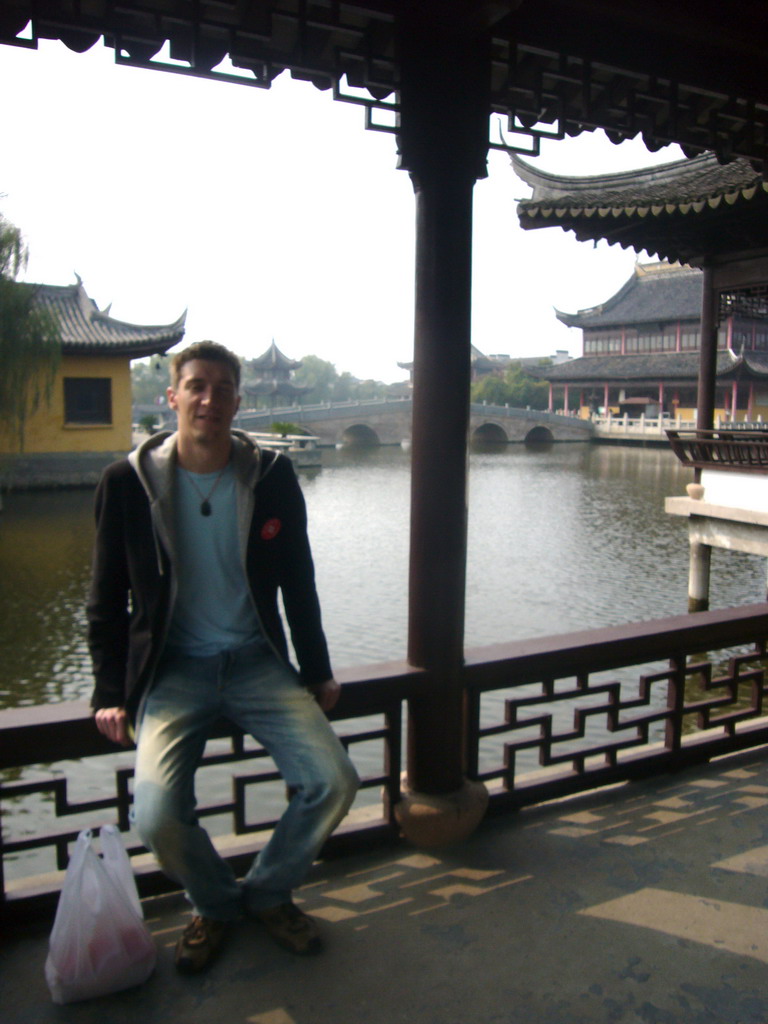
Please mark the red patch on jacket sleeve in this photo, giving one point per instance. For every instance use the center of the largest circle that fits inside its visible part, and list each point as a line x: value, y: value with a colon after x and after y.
x: 270, y: 529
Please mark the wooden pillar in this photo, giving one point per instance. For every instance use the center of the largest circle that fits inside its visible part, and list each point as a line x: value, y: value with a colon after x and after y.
x: 606, y: 405
x: 698, y: 576
x: 734, y: 400
x: 705, y: 405
x: 443, y: 140
x: 439, y: 479
x: 701, y: 554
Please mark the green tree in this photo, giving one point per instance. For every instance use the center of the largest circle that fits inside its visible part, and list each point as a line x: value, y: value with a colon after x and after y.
x: 320, y: 375
x: 30, y: 340
x: 284, y: 427
x: 515, y: 388
x: 492, y: 389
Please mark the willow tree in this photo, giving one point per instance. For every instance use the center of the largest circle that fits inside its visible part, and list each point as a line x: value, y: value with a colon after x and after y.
x: 30, y: 341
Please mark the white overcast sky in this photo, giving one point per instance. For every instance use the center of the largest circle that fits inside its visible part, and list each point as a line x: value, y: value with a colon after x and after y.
x: 270, y: 214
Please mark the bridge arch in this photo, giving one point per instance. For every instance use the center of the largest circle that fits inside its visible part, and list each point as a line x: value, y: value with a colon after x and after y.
x: 539, y: 435
x: 489, y: 433
x: 360, y: 435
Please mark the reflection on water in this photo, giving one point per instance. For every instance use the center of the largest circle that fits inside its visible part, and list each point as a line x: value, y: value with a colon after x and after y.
x: 570, y: 537
x: 563, y: 538
x: 577, y: 538
x: 45, y: 549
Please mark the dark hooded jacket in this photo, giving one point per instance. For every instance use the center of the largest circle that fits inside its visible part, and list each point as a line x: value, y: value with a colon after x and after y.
x: 134, y: 582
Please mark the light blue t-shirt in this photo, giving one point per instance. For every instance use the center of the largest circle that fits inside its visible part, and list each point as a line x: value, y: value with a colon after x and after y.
x: 214, y: 610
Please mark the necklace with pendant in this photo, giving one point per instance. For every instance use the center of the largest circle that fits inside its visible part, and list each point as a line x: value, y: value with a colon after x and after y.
x: 205, y: 499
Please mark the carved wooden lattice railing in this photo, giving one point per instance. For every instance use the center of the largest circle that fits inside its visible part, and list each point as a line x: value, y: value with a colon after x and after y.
x: 731, y: 448
x: 546, y: 717
x: 58, y: 775
x: 576, y: 712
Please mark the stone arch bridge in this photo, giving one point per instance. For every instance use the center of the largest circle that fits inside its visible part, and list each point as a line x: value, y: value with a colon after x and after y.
x: 388, y: 422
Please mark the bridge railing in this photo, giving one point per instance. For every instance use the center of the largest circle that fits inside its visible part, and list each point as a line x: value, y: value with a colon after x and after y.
x: 546, y: 717
x: 328, y: 409
x: 638, y: 427
x: 537, y: 415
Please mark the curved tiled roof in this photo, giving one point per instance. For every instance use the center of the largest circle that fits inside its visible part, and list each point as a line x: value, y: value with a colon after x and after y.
x: 649, y: 367
x: 685, y: 210
x: 86, y: 328
x: 273, y: 359
x: 682, y: 184
x: 748, y: 366
x: 656, y: 294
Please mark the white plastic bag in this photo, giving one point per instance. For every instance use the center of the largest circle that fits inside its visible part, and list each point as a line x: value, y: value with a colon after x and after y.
x: 99, y: 942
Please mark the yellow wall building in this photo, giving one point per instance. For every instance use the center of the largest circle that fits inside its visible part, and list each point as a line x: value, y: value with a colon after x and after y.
x: 87, y: 421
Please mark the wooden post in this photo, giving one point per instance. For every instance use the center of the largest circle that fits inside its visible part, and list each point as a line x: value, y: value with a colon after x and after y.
x: 705, y: 404
x: 439, y: 480
x: 698, y: 577
x: 443, y: 139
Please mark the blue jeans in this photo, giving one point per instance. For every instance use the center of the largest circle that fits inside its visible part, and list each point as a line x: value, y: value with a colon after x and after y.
x: 256, y: 691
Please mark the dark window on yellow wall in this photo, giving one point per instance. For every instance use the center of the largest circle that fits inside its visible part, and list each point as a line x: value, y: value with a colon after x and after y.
x: 87, y: 400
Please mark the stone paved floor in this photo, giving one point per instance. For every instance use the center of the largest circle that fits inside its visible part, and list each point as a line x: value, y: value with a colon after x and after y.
x: 645, y: 904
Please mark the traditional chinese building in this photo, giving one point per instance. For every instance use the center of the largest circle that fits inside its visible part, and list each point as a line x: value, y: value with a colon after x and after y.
x: 641, y: 352
x: 642, y: 346
x: 272, y: 378
x: 499, y: 362
x: 87, y: 421
x: 436, y: 74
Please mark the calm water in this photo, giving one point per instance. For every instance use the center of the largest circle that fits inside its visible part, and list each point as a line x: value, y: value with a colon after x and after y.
x: 568, y: 538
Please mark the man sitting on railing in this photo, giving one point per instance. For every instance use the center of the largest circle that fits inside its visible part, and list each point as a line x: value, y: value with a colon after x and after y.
x: 196, y: 532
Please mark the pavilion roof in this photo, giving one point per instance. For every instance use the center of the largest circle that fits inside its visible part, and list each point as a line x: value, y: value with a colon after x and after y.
x: 480, y: 361
x: 748, y: 366
x: 273, y: 359
x: 686, y: 210
x: 87, y: 329
x: 659, y: 293
x: 693, y: 74
x: 649, y: 368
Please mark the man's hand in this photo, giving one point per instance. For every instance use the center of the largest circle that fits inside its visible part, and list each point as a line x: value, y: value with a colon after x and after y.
x: 113, y: 723
x: 326, y: 694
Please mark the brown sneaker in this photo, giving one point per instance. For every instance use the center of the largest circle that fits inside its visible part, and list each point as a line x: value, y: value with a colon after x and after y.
x: 291, y: 928
x: 199, y: 944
